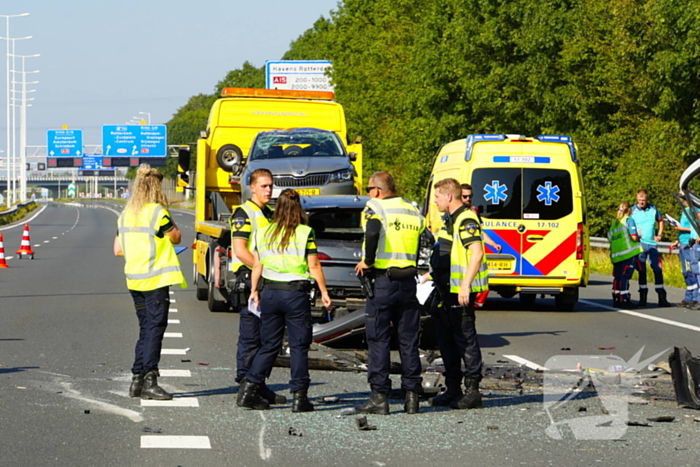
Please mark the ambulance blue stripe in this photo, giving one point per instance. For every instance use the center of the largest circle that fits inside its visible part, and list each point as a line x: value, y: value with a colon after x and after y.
x: 526, y: 268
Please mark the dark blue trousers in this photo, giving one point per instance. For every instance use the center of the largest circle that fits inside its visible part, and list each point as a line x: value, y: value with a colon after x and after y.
x: 622, y: 273
x: 394, y: 302
x: 652, y: 253
x: 249, y: 342
x: 280, y: 308
x: 455, y: 327
x: 152, y: 311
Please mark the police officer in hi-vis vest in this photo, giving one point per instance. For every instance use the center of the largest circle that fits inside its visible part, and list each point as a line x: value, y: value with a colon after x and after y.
x: 247, y: 219
x: 624, y: 250
x: 145, y: 239
x: 285, y: 260
x: 455, y: 319
x: 390, y: 250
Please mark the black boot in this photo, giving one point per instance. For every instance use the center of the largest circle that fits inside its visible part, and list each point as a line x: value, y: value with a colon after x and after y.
x: 663, y: 302
x: 271, y: 396
x: 627, y: 303
x: 239, y: 396
x: 472, y: 396
x: 411, y: 406
x: 151, y: 390
x: 136, y: 386
x: 453, y: 393
x: 250, y: 397
x: 376, y: 404
x: 643, y: 297
x: 616, y: 301
x: 301, y: 401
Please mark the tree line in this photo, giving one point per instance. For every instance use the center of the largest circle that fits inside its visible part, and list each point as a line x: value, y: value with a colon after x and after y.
x: 621, y: 78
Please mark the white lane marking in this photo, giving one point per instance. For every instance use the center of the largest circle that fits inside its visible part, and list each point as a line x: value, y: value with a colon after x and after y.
x: 115, y: 409
x: 172, y: 301
x: 172, y: 334
x: 173, y: 310
x: 176, y: 373
x: 38, y: 244
x: 173, y: 321
x: 525, y: 362
x: 54, y: 238
x: 173, y: 351
x: 265, y: 453
x: 175, y: 442
x: 177, y: 402
x: 171, y: 292
x: 690, y: 327
x: 46, y: 241
x: 9, y: 257
x: 27, y: 221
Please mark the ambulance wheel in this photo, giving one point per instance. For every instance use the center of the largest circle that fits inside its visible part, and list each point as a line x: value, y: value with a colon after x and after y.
x: 528, y: 300
x: 566, y: 301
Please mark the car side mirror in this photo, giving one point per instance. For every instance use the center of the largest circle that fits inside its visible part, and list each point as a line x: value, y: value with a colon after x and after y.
x: 352, y: 156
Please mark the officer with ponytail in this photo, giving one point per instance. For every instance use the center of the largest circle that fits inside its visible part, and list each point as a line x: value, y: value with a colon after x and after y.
x: 285, y: 260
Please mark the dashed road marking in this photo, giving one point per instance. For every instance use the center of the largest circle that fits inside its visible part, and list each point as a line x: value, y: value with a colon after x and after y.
x: 173, y: 351
x: 176, y: 373
x: 172, y: 334
x: 54, y: 238
x: 46, y: 241
x: 173, y: 310
x: 38, y: 244
x: 175, y: 442
x: 177, y: 402
x: 525, y: 362
x: 173, y: 321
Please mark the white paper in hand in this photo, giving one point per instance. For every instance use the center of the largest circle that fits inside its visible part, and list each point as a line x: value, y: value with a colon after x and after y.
x: 423, y: 291
x: 253, y: 307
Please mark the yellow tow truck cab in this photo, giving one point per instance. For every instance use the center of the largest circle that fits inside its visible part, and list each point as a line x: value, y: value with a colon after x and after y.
x: 529, y: 194
x: 222, y: 150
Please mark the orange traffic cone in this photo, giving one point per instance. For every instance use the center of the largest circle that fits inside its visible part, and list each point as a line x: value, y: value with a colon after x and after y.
x: 3, y: 263
x: 25, y: 248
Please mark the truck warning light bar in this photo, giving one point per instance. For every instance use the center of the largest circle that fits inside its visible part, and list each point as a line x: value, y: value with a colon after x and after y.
x: 277, y: 93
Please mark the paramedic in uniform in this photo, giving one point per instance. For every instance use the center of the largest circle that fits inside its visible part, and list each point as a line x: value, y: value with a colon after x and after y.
x: 252, y: 215
x: 468, y: 277
x: 145, y: 239
x: 285, y: 260
x: 647, y: 216
x: 392, y: 231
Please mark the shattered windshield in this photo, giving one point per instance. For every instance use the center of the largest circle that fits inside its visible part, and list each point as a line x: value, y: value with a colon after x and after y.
x: 273, y: 145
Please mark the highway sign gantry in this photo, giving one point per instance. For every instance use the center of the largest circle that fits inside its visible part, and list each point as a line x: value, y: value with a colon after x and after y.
x: 130, y: 145
x: 64, y: 148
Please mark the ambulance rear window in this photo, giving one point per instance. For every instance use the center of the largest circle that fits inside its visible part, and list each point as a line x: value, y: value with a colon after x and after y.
x: 528, y: 193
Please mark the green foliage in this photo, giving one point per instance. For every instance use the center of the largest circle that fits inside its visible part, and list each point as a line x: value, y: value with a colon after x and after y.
x: 619, y: 77
x: 18, y: 214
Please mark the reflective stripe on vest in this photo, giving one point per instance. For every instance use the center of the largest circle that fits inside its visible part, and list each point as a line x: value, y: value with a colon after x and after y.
x: 257, y: 221
x: 622, y: 246
x: 151, y: 262
x: 399, y: 236
x: 286, y: 266
x: 460, y: 257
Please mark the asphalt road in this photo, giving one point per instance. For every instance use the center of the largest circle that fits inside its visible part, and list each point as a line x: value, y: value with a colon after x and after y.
x: 67, y: 330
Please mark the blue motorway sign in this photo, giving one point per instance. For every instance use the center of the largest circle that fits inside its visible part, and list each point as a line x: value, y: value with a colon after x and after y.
x: 64, y: 143
x: 134, y: 140
x: 94, y: 162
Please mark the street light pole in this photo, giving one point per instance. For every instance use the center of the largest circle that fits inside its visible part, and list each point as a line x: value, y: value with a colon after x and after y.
x: 23, y: 128
x: 7, y: 94
x: 148, y: 120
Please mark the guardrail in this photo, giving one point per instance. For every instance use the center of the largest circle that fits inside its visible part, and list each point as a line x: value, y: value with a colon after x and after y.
x: 599, y: 242
x: 15, y: 207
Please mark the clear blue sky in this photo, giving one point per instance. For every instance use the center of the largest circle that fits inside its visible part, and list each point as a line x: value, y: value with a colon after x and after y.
x: 103, y: 62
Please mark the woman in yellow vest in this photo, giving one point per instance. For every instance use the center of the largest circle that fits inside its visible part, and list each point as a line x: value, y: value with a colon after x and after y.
x: 145, y: 239
x: 285, y: 260
x: 624, y: 249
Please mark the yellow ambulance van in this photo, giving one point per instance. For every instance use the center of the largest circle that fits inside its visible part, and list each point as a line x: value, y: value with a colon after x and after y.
x: 529, y: 194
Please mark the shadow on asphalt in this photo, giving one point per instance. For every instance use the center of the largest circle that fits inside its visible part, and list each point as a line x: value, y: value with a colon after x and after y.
x: 498, y: 340
x: 17, y: 369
